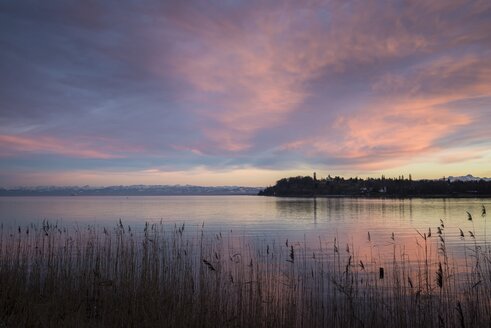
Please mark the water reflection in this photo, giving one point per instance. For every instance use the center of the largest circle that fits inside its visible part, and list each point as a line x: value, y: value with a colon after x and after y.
x: 298, y: 219
x: 304, y: 209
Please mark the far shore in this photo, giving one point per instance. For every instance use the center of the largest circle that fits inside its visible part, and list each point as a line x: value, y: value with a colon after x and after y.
x: 467, y: 196
x: 381, y: 196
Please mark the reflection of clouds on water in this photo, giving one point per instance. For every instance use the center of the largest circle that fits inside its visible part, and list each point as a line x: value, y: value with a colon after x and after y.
x: 273, y: 219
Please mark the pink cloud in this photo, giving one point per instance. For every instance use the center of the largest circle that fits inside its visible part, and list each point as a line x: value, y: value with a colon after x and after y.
x: 14, y: 144
x: 399, y: 131
x: 248, y: 75
x: 383, y: 136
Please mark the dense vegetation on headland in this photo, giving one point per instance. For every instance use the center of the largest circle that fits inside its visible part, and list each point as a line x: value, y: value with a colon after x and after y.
x: 377, y: 187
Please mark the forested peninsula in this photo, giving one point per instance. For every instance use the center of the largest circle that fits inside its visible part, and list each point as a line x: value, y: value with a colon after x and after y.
x: 306, y: 186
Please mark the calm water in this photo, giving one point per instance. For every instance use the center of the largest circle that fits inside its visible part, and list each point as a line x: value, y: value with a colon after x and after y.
x: 300, y: 220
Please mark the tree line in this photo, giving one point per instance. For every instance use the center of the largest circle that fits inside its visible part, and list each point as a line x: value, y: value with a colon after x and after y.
x: 306, y: 186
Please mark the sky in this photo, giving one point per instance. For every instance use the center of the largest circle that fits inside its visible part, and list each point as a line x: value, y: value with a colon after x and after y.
x: 242, y: 92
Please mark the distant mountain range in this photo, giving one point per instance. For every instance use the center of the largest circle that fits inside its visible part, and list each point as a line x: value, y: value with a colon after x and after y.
x: 468, y: 177
x: 135, y: 190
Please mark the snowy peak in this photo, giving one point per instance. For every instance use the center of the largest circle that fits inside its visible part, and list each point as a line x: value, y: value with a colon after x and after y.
x: 468, y: 177
x: 134, y: 190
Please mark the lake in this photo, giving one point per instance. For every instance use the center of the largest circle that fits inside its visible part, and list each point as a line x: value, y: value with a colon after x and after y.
x: 352, y: 221
x: 247, y: 261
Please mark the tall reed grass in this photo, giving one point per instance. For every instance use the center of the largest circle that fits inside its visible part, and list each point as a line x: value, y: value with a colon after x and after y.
x: 52, y: 276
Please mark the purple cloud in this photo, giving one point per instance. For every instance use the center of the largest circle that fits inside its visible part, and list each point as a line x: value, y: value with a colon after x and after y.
x: 363, y: 86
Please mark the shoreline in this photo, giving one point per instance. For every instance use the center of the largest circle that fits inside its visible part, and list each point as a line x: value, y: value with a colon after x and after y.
x: 463, y: 196
x: 381, y: 197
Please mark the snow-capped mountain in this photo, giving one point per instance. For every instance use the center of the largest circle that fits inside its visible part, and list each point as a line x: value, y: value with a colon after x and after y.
x: 147, y: 190
x: 468, y: 177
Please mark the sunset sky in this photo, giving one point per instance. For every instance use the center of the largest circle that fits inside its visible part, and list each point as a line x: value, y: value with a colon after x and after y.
x: 242, y: 92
